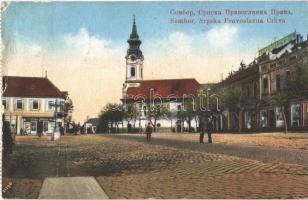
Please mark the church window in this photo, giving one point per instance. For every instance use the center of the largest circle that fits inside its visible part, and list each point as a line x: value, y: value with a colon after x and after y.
x: 132, y: 71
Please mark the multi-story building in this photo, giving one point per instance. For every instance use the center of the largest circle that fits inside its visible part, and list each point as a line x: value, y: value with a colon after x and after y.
x: 247, y: 78
x: 29, y: 104
x: 275, y: 68
x: 265, y: 77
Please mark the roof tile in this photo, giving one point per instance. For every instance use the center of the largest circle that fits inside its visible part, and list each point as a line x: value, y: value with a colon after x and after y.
x: 18, y: 86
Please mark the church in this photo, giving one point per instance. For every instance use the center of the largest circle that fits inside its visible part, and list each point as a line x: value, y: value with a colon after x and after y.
x: 170, y: 93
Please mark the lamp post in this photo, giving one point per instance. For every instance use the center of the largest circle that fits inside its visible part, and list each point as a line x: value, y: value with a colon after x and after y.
x: 56, y: 132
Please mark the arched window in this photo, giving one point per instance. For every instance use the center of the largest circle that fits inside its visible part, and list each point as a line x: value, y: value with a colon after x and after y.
x: 132, y: 71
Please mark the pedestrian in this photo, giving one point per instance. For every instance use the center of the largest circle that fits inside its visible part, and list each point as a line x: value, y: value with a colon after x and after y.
x: 201, y: 126
x: 149, y: 131
x: 61, y: 130
x: 7, y: 139
x: 209, y: 129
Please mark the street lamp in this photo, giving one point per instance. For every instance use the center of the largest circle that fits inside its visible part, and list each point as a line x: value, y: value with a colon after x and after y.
x: 56, y: 131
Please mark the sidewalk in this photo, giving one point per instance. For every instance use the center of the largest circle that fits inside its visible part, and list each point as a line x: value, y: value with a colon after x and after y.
x: 280, y: 140
x: 71, y: 188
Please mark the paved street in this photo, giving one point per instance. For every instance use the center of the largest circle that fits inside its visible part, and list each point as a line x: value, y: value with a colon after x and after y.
x: 171, y: 166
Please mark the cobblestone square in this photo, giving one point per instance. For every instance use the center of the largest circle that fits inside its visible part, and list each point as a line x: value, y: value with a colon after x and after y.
x: 171, y: 166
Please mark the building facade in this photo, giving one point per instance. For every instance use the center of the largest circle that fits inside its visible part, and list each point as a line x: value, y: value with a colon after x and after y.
x: 265, y: 77
x: 275, y: 69
x: 28, y: 103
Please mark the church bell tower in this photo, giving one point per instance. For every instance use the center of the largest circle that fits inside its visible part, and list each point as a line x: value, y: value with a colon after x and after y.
x: 134, y: 60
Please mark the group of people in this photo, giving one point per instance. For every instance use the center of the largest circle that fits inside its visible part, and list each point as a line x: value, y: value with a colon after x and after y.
x: 208, y: 126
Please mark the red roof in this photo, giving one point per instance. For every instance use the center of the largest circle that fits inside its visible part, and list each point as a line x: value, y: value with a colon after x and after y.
x: 18, y: 86
x: 164, y: 88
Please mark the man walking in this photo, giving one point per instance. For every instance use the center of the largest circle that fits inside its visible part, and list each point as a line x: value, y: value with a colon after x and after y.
x: 201, y: 125
x: 209, y: 129
x: 149, y: 131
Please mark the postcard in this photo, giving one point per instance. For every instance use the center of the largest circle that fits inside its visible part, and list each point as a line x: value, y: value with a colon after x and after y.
x: 166, y: 99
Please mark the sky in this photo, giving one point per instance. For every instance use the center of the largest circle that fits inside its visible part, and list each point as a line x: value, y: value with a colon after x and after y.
x: 82, y: 45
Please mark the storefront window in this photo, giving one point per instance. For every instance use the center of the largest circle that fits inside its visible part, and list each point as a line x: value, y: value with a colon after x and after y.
x: 295, y: 114
x: 263, y: 118
x: 248, y: 120
x: 33, y: 126
x: 45, y: 126
x: 27, y: 127
x: 279, y: 117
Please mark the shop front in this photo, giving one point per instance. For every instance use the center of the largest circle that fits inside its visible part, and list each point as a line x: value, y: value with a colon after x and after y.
x: 41, y: 125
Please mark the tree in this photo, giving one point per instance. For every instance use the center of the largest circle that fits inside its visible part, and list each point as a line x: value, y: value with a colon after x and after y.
x: 188, y: 112
x: 113, y: 115
x: 206, y: 106
x: 296, y: 87
x: 131, y: 113
x: 68, y: 108
x: 297, y: 83
x: 155, y: 112
x: 237, y: 101
x: 280, y: 100
x: 172, y: 114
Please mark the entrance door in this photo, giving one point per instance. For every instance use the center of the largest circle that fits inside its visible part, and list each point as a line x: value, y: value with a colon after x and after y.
x: 45, y: 126
x: 39, y: 127
x: 33, y: 127
x: 271, y: 118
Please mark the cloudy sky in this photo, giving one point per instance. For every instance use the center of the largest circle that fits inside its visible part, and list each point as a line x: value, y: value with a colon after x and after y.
x: 82, y: 45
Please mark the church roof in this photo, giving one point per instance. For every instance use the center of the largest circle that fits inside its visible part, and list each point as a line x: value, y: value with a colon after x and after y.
x: 18, y: 86
x: 163, y: 88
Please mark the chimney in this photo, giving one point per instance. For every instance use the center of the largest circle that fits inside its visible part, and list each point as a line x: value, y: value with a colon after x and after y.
x: 45, y: 73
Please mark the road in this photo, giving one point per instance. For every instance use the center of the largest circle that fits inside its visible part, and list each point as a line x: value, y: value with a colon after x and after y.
x: 171, y: 166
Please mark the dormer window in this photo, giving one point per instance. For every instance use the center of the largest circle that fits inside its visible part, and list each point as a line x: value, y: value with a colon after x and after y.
x: 132, y: 71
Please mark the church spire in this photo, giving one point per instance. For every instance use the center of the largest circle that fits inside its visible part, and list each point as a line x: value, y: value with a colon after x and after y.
x: 134, y: 34
x: 134, y: 42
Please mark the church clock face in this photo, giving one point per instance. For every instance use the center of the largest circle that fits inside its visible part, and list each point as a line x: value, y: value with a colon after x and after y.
x: 133, y: 57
